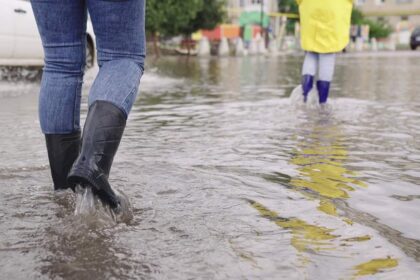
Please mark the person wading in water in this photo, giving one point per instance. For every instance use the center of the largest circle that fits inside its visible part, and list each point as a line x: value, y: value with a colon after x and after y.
x: 119, y: 27
x: 325, y: 31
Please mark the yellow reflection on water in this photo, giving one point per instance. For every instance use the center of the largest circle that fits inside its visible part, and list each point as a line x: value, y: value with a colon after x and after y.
x: 304, y: 236
x: 374, y: 266
x: 327, y: 207
x: 314, y: 238
x: 320, y: 158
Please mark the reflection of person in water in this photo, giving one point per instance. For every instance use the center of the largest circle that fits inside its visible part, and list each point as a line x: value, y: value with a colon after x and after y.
x: 120, y: 35
x: 320, y: 157
x: 325, y: 27
x: 320, y: 162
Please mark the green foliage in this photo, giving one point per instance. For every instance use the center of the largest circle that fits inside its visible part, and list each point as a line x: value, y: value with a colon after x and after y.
x: 208, y: 17
x: 179, y: 15
x: 174, y: 17
x: 169, y: 16
x: 288, y: 6
x: 378, y: 29
x: 357, y: 17
x: 154, y: 16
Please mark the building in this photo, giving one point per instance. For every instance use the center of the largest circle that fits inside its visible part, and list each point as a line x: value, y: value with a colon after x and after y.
x: 399, y: 13
x: 236, y: 7
x: 245, y: 19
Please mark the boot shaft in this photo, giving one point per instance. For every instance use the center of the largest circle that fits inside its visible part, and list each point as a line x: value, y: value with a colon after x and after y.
x: 63, y: 149
x: 102, y: 134
x: 323, y: 91
x: 307, y: 84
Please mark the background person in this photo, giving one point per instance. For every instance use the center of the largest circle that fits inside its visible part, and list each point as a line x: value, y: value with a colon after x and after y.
x: 325, y: 27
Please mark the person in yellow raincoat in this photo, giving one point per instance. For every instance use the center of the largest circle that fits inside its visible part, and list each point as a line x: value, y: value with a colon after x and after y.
x: 325, y: 31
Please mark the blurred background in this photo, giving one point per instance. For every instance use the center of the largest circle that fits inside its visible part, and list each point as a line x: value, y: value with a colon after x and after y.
x: 230, y: 27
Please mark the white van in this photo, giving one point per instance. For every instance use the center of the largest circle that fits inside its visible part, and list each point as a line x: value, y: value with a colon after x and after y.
x: 20, y: 44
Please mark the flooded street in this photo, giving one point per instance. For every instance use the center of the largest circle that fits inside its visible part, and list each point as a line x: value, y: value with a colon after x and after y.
x: 228, y: 180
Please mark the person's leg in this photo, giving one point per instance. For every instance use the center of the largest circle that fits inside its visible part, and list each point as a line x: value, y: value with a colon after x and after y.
x: 326, y: 73
x: 61, y: 24
x: 120, y: 35
x: 308, y: 73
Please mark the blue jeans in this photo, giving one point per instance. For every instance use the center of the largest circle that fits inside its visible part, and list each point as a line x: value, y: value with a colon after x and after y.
x: 324, y: 64
x: 120, y: 38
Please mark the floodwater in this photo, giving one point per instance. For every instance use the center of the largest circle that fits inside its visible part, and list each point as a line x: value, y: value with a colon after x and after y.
x: 228, y: 180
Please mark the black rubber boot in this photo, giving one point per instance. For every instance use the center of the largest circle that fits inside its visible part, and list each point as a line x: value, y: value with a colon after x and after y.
x: 63, y: 149
x: 104, y: 127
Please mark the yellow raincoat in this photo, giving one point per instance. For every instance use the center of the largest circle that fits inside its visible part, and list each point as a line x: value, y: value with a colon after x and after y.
x: 325, y: 24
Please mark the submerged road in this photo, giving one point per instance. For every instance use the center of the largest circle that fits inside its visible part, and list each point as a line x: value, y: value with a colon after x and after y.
x: 228, y: 180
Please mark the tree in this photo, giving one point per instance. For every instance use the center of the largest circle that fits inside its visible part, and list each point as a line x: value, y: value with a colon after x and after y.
x: 179, y: 15
x: 377, y: 29
x: 174, y: 17
x: 290, y: 7
x: 167, y: 17
x: 211, y: 13
x: 154, y: 19
x: 357, y: 17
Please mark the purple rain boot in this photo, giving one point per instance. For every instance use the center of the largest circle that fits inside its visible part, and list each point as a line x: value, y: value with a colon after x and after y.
x: 307, y: 84
x: 323, y: 91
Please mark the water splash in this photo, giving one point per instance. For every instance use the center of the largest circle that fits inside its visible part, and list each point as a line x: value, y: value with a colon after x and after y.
x: 89, y: 206
x: 312, y: 103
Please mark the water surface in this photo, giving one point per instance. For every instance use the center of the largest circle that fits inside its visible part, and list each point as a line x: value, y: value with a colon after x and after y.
x: 227, y: 180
